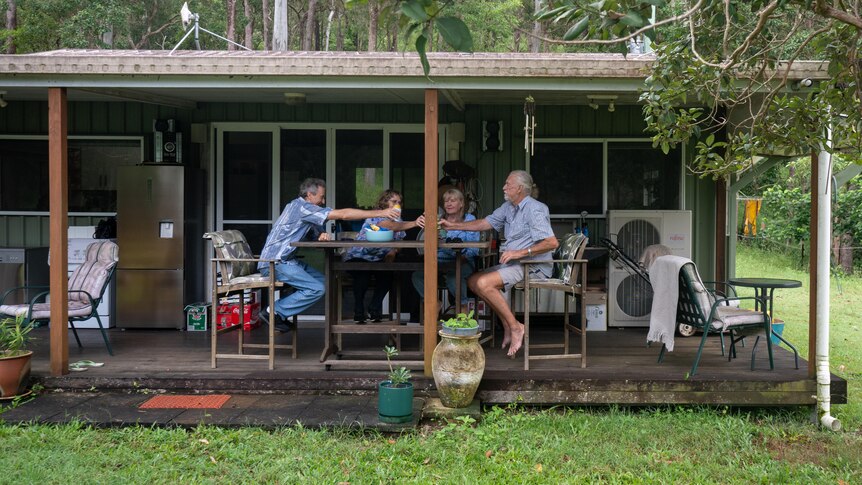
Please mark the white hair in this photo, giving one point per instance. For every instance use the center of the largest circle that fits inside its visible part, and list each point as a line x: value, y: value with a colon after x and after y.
x: 525, y: 180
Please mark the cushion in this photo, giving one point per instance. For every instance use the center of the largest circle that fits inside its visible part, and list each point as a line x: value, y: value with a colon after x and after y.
x: 42, y: 311
x: 567, y: 250
x: 231, y: 244
x: 732, y: 316
x: 93, y: 274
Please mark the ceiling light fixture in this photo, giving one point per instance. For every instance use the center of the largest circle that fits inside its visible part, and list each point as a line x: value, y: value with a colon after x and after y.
x: 594, y: 100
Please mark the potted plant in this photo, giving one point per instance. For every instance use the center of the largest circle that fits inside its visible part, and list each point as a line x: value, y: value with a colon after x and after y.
x: 458, y: 362
x: 395, y: 395
x: 14, y: 356
x: 461, y: 324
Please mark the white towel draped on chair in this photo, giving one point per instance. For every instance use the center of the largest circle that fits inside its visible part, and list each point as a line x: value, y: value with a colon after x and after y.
x: 664, y: 278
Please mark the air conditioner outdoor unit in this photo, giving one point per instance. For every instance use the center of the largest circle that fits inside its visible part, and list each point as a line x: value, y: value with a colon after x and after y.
x: 629, y: 296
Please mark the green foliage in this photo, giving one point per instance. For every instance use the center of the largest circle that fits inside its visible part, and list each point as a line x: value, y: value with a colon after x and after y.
x: 419, y: 17
x: 461, y: 320
x: 786, y: 214
x: 14, y: 336
x: 848, y: 209
x: 397, y: 376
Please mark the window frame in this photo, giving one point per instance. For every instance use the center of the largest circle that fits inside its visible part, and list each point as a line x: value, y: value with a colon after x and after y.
x: 605, y: 141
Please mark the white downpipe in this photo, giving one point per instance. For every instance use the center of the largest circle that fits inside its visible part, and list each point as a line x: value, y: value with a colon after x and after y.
x: 824, y: 236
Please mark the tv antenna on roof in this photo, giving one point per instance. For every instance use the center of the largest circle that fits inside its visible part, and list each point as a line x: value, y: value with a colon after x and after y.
x: 188, y: 17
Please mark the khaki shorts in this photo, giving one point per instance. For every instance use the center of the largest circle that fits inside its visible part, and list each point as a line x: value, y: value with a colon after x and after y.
x: 512, y: 274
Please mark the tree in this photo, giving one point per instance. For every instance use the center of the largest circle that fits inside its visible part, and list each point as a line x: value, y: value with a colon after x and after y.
x: 231, y: 24
x: 11, y: 25
x: 280, y: 39
x: 713, y: 58
x: 310, y: 26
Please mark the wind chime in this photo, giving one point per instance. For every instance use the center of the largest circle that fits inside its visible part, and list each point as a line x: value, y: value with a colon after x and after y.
x: 529, y: 125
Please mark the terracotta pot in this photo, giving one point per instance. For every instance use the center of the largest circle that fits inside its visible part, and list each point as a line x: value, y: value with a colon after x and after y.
x: 14, y: 374
x: 458, y: 363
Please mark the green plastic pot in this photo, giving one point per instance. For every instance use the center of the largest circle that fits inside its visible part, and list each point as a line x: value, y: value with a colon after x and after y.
x: 395, y: 404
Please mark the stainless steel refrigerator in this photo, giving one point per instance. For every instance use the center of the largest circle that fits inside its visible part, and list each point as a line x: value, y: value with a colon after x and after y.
x: 156, y: 225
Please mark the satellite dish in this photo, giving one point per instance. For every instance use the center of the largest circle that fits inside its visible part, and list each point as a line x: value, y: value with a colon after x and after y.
x: 186, y: 15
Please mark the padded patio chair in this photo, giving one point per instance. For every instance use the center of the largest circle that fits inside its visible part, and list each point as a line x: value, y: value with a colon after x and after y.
x: 703, y: 310
x: 570, y: 277
x: 87, y: 286
x: 238, y: 268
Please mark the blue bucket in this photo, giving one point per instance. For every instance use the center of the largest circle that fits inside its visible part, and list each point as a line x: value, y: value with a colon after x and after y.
x: 777, y: 327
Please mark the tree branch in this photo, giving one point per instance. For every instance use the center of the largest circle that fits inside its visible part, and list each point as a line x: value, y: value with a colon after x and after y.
x: 634, y: 34
x: 826, y: 10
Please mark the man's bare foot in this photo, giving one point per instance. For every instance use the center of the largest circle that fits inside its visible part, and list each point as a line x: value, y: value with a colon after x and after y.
x: 517, y: 340
x: 507, y: 339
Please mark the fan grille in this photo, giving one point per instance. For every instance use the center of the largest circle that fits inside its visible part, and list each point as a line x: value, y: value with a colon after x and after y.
x: 635, y: 235
x: 634, y: 296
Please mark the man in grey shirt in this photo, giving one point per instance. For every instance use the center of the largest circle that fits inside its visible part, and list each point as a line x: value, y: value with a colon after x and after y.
x: 525, y: 224
x: 303, y: 216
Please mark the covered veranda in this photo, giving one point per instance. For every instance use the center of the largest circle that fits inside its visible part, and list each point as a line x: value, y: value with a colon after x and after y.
x: 185, y: 80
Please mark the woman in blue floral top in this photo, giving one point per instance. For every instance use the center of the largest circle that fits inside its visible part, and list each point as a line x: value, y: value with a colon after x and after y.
x: 382, y: 279
x: 453, y: 210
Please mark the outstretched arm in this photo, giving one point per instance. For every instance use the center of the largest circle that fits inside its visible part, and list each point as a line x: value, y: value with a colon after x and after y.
x: 477, y: 225
x: 402, y: 225
x: 357, y: 214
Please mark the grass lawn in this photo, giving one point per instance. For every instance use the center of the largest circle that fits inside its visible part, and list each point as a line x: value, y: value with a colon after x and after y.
x: 511, y: 445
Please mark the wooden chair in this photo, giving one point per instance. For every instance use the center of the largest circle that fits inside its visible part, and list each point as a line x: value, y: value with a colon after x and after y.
x: 570, y: 277
x: 87, y: 285
x: 703, y: 310
x: 238, y: 269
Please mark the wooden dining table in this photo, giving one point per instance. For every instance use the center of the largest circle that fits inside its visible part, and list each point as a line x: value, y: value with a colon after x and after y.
x: 335, y: 326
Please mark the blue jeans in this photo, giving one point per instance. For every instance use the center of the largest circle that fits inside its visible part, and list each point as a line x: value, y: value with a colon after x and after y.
x: 307, y: 281
x: 467, y: 269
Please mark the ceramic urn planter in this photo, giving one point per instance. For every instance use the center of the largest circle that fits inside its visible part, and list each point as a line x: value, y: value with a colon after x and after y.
x: 458, y: 363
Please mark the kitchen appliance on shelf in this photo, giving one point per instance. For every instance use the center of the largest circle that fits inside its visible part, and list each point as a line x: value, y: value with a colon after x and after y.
x: 23, y: 267
x: 159, y: 228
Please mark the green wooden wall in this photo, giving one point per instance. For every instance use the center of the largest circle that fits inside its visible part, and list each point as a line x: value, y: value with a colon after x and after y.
x: 128, y: 118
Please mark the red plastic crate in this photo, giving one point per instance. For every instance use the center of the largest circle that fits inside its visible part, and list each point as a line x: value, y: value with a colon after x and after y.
x: 228, y: 315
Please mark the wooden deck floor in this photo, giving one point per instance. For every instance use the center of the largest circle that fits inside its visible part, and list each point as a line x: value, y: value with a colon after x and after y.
x: 621, y: 370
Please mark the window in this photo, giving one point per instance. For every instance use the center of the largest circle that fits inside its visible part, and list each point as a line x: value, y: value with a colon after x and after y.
x: 569, y: 176
x: 407, y: 164
x: 303, y: 155
x: 92, y: 173
x: 359, y: 167
x: 641, y: 177
x: 247, y: 175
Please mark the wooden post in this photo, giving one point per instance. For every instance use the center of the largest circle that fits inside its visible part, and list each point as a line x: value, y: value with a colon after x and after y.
x: 812, y: 270
x: 58, y: 184
x: 430, y: 246
x: 721, y: 231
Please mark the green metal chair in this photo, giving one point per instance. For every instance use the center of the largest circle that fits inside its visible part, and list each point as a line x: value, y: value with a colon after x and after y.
x: 87, y: 285
x: 701, y: 309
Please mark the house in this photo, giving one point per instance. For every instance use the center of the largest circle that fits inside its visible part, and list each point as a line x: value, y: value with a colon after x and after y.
x: 256, y: 123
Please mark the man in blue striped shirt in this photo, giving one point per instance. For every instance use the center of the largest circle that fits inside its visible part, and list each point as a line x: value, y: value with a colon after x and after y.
x: 525, y: 224
x: 304, y: 218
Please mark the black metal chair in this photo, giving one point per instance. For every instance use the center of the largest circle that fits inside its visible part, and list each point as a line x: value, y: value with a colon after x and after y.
x: 701, y: 309
x: 87, y: 285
